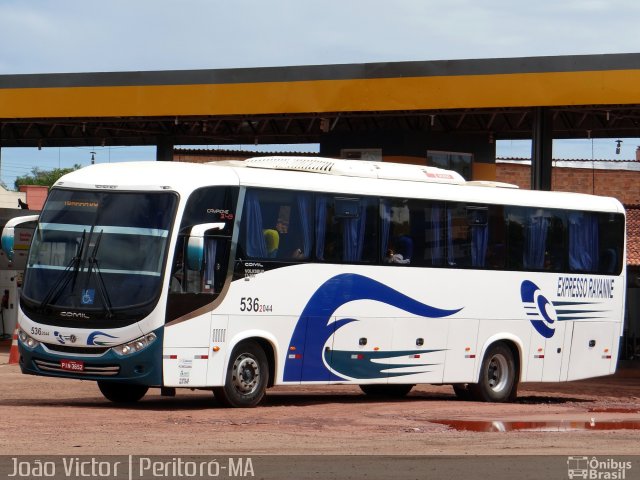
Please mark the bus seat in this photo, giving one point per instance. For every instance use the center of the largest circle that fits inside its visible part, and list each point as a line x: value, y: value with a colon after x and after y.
x: 405, y: 247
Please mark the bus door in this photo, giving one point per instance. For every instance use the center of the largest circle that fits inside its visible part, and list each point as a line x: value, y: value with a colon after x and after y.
x: 197, y: 280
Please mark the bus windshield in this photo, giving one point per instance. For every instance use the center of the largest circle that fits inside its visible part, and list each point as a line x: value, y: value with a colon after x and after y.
x: 98, y: 252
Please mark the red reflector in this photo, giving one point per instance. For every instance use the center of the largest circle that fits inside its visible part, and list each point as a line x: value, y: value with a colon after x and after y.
x: 469, y: 356
x: 201, y: 357
x: 416, y: 356
x: 357, y: 356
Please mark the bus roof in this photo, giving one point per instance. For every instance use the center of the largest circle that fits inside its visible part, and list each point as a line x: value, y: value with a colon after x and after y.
x: 363, y: 178
x: 358, y: 168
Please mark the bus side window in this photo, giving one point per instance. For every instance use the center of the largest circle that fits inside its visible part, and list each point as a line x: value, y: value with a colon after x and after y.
x: 346, y: 229
x: 536, y: 239
x: 611, y: 236
x: 204, y: 275
x: 194, y: 283
x: 497, y: 247
x: 397, y: 242
x: 433, y: 219
x: 458, y: 236
x: 277, y: 225
x: 514, y: 220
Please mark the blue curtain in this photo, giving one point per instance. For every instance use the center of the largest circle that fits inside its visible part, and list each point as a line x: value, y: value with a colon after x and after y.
x: 479, y: 241
x: 353, y: 235
x: 254, y: 238
x: 321, y: 225
x: 385, y: 215
x: 304, y: 206
x: 437, y: 256
x: 536, y: 242
x: 210, y: 265
x: 450, y: 258
x: 583, y: 242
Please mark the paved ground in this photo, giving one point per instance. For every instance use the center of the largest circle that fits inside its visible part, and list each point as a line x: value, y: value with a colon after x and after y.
x: 56, y: 416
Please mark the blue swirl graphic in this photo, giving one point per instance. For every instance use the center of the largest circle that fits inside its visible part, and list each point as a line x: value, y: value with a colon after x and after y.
x: 92, y: 339
x: 313, y: 328
x: 342, y: 362
x: 537, y: 308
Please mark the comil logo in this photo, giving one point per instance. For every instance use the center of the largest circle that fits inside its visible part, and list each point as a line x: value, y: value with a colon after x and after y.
x: 540, y: 311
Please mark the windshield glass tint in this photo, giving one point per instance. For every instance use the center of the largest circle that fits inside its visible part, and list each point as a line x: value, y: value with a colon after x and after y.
x: 99, y: 251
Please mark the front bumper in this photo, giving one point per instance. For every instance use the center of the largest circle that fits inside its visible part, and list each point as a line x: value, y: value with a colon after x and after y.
x: 140, y: 368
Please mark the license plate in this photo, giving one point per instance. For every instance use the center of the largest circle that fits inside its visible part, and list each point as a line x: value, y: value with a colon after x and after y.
x: 73, y: 365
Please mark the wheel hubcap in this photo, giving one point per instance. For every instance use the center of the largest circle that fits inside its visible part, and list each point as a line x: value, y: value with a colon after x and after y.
x: 246, y: 374
x: 498, y: 373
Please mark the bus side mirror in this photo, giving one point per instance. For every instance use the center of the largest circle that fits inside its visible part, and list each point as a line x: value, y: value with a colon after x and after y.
x: 195, y: 244
x: 8, y: 233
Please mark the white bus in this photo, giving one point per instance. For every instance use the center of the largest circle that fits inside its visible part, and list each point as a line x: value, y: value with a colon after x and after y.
x: 237, y: 276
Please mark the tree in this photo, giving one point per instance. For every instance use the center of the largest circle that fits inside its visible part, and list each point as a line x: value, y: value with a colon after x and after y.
x: 44, y: 177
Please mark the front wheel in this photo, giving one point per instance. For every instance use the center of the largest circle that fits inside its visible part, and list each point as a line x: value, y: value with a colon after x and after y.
x: 247, y: 377
x: 122, y: 392
x: 386, y: 390
x: 498, y: 380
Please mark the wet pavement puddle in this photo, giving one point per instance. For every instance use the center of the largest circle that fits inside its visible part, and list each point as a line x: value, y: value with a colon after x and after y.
x: 540, y: 426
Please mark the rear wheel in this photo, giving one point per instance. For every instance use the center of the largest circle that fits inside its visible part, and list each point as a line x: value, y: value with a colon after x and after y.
x: 498, y: 378
x: 389, y: 390
x: 122, y: 392
x: 247, y: 377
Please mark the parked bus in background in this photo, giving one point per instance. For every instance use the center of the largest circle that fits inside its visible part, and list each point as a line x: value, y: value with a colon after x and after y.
x: 237, y: 276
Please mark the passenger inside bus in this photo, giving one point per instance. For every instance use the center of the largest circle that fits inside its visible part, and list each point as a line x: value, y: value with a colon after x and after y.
x: 272, y: 241
x: 393, y: 257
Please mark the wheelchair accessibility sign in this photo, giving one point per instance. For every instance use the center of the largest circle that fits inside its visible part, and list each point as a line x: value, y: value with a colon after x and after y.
x: 88, y: 296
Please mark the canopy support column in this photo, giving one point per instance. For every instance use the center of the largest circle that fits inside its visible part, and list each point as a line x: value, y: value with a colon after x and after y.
x: 541, y: 149
x: 164, y: 150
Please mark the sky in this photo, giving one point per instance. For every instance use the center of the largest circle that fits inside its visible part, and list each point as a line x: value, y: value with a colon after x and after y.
x: 57, y: 36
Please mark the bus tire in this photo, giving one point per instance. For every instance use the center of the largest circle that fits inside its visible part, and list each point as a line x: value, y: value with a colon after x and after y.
x: 122, y: 392
x: 498, y: 377
x: 386, y: 390
x: 247, y: 377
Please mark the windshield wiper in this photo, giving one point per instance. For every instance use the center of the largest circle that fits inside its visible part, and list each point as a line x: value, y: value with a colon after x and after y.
x: 67, y: 275
x: 94, y: 265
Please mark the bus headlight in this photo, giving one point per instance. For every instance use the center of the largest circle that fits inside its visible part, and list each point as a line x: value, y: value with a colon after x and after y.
x: 135, y: 345
x: 27, y: 340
